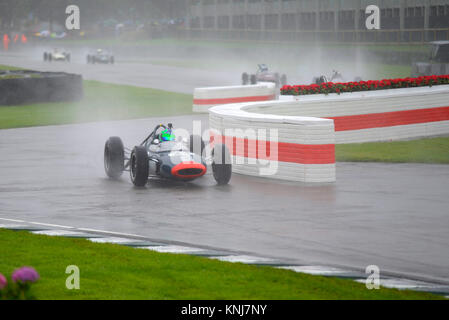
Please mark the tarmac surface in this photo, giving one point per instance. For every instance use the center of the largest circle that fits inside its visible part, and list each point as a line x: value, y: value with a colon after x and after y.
x: 141, y: 74
x: 394, y: 216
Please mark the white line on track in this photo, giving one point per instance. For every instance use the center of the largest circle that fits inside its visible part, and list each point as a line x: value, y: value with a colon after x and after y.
x: 112, y: 232
x: 75, y: 228
x: 12, y: 220
x: 51, y: 225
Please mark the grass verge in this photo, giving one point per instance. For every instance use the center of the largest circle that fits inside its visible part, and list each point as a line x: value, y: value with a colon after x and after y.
x: 101, y: 102
x: 3, y: 67
x: 116, y: 272
x: 431, y: 150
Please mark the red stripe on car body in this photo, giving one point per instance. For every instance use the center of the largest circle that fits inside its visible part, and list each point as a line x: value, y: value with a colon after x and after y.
x: 185, y: 166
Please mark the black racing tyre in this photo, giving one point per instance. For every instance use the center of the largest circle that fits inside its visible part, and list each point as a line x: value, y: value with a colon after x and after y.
x: 196, y: 142
x: 45, y: 56
x: 276, y: 79
x: 283, y: 80
x: 49, y: 57
x: 245, y: 79
x: 320, y: 80
x: 221, y: 164
x: 253, y: 79
x: 114, y: 157
x: 138, y: 166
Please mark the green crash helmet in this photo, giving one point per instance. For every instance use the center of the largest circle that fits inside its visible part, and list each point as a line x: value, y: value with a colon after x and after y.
x: 167, y: 135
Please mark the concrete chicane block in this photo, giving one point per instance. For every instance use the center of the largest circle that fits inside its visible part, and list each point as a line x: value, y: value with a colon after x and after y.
x: 307, y: 127
x: 205, y: 98
x: 299, y: 141
x: 377, y: 115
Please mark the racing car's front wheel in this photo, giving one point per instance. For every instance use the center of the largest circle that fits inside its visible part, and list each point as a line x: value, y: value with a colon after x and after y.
x: 139, y: 166
x: 245, y: 79
x: 253, y: 79
x: 114, y: 157
x: 221, y: 164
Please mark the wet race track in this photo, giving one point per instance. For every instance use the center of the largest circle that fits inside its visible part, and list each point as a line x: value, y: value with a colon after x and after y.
x: 391, y: 215
x: 394, y: 216
x: 170, y: 78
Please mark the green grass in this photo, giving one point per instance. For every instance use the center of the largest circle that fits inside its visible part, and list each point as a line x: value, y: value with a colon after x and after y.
x: 116, y: 272
x: 432, y: 150
x: 3, y: 67
x: 101, y: 102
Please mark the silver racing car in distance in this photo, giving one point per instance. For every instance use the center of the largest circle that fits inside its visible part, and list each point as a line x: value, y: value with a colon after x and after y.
x: 57, y: 55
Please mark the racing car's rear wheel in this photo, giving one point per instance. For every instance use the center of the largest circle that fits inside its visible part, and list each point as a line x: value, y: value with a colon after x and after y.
x: 114, y: 157
x: 283, y: 80
x: 245, y: 79
x: 221, y: 164
x: 196, y: 142
x: 45, y: 56
x: 253, y: 79
x: 139, y: 166
x: 277, y: 79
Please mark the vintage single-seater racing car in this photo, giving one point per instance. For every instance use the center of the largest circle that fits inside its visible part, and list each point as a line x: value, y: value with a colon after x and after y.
x: 163, y: 156
x: 335, y: 77
x: 264, y: 75
x: 100, y: 56
x: 57, y: 55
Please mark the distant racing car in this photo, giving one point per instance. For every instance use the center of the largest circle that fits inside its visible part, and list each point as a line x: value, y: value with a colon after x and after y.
x: 162, y: 156
x: 438, y: 62
x: 100, y: 56
x: 57, y: 55
x: 264, y: 75
x: 335, y: 77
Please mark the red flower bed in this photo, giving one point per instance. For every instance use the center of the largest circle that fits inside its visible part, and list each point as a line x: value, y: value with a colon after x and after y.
x: 339, y: 87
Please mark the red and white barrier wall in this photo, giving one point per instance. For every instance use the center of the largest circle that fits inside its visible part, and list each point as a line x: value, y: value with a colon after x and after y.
x: 294, y: 138
x: 274, y: 146
x: 376, y: 115
x: 205, y: 98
